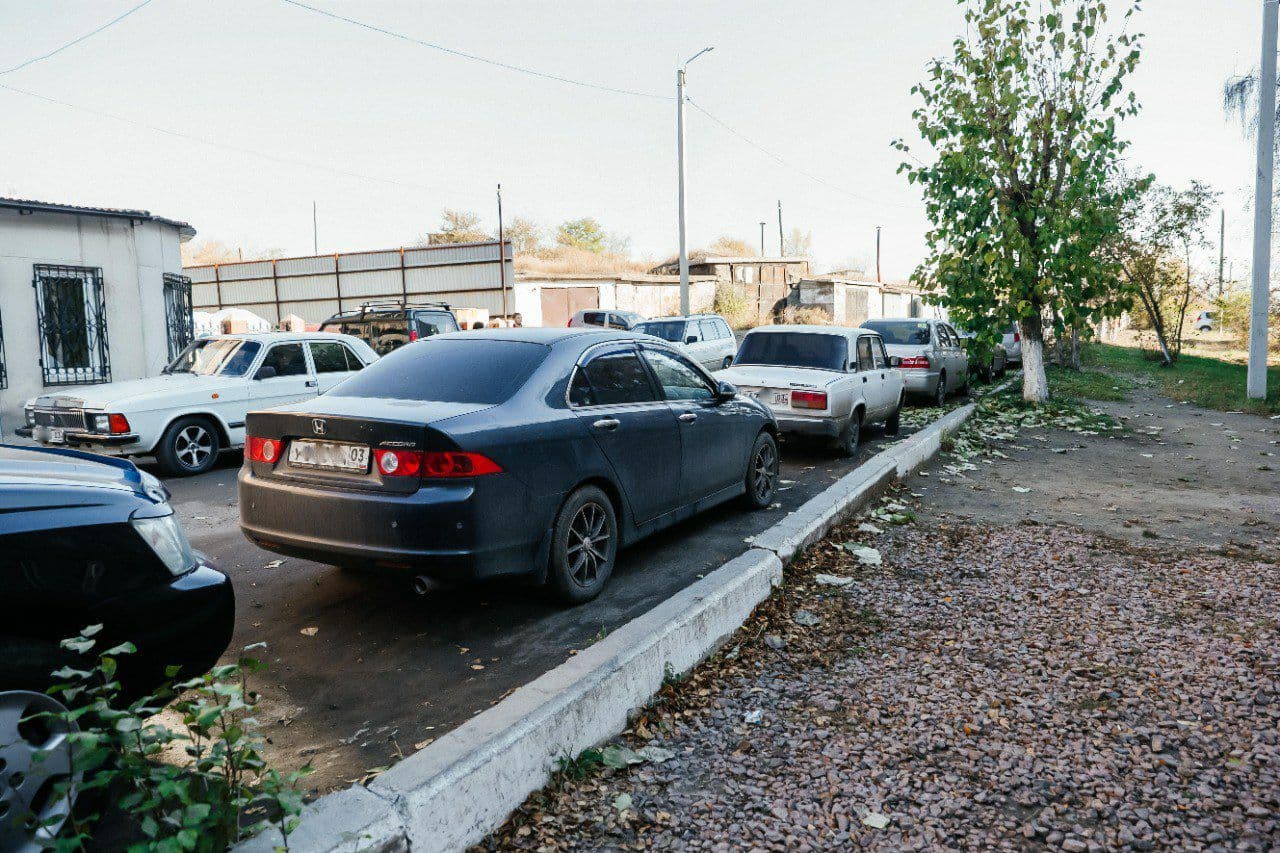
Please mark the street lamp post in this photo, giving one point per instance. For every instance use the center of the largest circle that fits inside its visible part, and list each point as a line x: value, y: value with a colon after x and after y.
x: 1256, y: 384
x: 684, y: 253
x: 762, y: 224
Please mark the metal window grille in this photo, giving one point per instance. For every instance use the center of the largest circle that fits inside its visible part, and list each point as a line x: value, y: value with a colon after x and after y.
x: 178, y: 313
x: 4, y: 372
x: 72, y: 318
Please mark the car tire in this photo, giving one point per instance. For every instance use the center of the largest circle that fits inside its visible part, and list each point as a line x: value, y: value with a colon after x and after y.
x: 940, y: 392
x: 37, y: 740
x: 894, y: 422
x: 761, y: 479
x: 189, y: 446
x: 579, y: 569
x: 846, y: 443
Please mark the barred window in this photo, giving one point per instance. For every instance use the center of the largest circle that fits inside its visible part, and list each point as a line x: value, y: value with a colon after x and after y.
x: 72, y: 322
x: 178, y: 315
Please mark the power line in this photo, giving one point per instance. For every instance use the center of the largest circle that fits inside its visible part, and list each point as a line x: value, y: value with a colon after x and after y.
x: 475, y: 58
x: 215, y: 143
x: 777, y: 158
x: 33, y: 60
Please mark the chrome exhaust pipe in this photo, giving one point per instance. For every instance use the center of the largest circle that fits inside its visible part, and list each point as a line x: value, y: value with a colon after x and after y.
x: 421, y: 584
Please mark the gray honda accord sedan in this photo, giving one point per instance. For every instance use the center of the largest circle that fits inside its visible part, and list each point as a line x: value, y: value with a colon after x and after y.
x: 504, y: 452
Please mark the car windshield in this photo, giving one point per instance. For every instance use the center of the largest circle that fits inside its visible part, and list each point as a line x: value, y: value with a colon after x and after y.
x: 668, y: 330
x: 794, y: 349
x: 220, y: 356
x: 448, y: 371
x: 914, y: 332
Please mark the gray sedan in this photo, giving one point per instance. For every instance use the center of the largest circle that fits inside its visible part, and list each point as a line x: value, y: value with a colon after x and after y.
x: 929, y: 353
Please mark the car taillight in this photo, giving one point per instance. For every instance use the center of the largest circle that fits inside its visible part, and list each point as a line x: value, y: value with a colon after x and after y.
x: 916, y: 361
x: 809, y: 399
x: 452, y: 463
x: 263, y: 449
x: 118, y: 423
x: 1017, y: 336
x: 413, y: 335
x: 398, y: 463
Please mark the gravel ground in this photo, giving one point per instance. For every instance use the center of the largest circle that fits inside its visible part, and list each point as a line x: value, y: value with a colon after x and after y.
x: 987, y: 685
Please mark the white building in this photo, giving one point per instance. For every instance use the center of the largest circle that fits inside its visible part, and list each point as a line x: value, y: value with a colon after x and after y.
x: 87, y: 295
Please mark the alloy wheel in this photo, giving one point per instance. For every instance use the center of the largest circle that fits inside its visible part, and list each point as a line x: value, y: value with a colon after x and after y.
x: 35, y: 753
x: 764, y: 471
x: 192, y: 445
x: 588, y: 547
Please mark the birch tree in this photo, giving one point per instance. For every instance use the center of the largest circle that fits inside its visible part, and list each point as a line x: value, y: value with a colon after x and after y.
x: 1022, y: 120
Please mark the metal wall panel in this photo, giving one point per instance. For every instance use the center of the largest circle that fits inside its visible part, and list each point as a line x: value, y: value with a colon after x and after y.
x: 439, y: 255
x: 200, y: 274
x: 204, y: 297
x: 369, y: 261
x: 237, y: 272
x: 253, y: 290
x: 436, y: 279
x: 313, y: 312
x: 304, y: 266
x: 308, y: 287
x: 385, y: 283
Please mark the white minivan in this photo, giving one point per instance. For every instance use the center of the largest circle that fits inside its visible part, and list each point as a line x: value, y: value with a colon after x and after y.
x: 705, y: 338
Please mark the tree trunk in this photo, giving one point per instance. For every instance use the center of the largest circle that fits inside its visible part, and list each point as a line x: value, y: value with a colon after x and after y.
x: 1035, y: 383
x: 1075, y: 347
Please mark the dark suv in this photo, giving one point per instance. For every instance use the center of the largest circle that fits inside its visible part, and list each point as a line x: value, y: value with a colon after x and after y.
x: 387, y: 326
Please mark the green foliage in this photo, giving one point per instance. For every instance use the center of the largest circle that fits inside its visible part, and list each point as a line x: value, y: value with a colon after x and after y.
x: 584, y: 233
x: 222, y: 792
x: 1023, y: 119
x: 733, y: 305
x: 1088, y: 384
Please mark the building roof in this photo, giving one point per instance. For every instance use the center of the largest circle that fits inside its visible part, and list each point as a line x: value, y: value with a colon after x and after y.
x: 623, y: 278
x: 31, y: 205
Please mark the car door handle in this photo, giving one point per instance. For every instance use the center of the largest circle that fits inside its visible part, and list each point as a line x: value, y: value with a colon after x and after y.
x: 607, y: 423
x: 864, y: 379
x: 311, y: 383
x: 688, y: 417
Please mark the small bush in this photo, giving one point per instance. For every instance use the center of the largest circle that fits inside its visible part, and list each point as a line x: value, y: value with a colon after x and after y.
x: 804, y: 316
x: 733, y: 305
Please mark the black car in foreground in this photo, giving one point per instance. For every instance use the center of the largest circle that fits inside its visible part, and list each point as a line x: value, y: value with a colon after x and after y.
x: 88, y: 540
x: 504, y: 452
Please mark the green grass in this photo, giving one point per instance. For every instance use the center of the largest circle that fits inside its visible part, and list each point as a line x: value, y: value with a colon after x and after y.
x: 1208, y: 382
x: 1088, y: 383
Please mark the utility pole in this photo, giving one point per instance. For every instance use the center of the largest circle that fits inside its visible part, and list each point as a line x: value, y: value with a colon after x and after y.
x: 502, y: 256
x: 684, y: 253
x: 315, y: 231
x: 1222, y: 247
x: 877, y: 253
x: 781, y: 246
x: 1256, y: 386
x: 762, y: 224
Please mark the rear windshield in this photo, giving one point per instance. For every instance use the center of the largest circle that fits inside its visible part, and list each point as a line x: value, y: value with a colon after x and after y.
x: 448, y: 370
x: 913, y: 332
x: 668, y: 330
x: 794, y: 349
x: 384, y: 332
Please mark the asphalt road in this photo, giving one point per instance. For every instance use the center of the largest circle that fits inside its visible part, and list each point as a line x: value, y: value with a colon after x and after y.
x: 381, y: 670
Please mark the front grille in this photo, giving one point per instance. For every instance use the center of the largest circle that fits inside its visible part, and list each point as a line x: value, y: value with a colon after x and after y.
x: 66, y: 418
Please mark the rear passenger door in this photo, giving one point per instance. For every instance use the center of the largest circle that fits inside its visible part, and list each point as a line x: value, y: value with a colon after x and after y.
x: 868, y: 381
x: 614, y: 396
x: 333, y: 362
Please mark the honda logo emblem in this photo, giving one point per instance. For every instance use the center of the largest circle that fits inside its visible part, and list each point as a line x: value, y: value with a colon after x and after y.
x: 318, y: 426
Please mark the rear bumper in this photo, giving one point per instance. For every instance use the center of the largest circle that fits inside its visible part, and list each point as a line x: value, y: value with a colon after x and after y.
x: 920, y: 383
x: 463, y: 530
x: 823, y: 427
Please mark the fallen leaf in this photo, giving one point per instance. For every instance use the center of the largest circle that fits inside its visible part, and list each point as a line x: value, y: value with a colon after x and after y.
x: 875, y: 820
x: 274, y: 564
x: 656, y: 754
x: 618, y: 756
x: 832, y: 580
x: 622, y: 802
x: 309, y: 631
x: 866, y: 555
x: 1021, y: 489
x: 423, y: 744
x: 804, y: 617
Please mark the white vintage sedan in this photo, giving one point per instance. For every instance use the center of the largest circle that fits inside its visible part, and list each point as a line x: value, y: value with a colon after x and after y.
x: 825, y: 381
x: 196, y: 408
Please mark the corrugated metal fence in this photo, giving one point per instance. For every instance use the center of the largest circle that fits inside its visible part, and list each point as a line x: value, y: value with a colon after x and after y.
x: 465, y: 275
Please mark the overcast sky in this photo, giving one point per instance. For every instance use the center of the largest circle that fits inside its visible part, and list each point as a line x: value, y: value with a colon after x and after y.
x: 823, y: 85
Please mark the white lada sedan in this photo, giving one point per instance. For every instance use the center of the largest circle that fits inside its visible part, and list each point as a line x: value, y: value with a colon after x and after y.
x: 196, y: 408
x: 825, y: 381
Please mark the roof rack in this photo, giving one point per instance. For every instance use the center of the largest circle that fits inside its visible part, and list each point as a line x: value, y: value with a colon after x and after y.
x: 381, y: 304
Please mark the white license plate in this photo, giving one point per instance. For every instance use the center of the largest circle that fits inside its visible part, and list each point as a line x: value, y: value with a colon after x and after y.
x: 329, y: 454
x: 55, y: 435
x: 781, y: 398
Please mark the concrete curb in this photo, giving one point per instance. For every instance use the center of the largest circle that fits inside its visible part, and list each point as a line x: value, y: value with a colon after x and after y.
x: 459, y: 789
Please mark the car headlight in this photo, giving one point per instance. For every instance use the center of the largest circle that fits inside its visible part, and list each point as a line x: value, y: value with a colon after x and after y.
x: 168, y: 540
x: 30, y: 412
x: 102, y: 423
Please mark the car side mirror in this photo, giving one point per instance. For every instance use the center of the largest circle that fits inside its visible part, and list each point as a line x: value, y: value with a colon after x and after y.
x: 895, y: 361
x: 265, y: 372
x: 725, y: 391
x: 691, y: 339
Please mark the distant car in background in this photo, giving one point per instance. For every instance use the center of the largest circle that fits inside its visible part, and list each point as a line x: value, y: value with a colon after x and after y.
x: 705, y: 338
x: 387, y: 326
x: 823, y: 381
x: 933, y: 362
x: 1205, y: 321
x: 605, y: 319
x: 196, y: 408
x: 1012, y: 343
